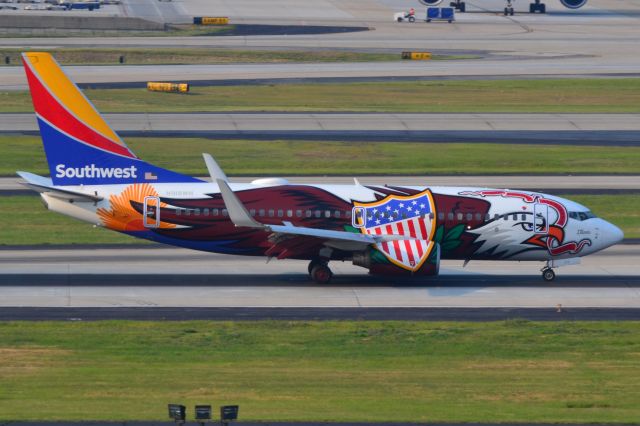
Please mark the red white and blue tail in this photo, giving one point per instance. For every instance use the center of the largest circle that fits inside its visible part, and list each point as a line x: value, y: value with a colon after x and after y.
x: 80, y: 146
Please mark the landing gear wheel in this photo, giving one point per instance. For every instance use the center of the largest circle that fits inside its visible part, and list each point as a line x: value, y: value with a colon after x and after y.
x: 532, y: 7
x: 314, y: 263
x: 548, y: 274
x: 542, y: 8
x: 412, y: 19
x: 511, y: 11
x: 462, y: 7
x: 321, y: 274
x: 506, y: 11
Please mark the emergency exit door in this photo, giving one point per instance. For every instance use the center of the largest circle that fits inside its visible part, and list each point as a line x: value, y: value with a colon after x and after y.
x: 151, y: 216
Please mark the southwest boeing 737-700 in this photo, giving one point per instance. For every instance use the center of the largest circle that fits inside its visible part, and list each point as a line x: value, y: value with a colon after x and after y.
x: 395, y: 230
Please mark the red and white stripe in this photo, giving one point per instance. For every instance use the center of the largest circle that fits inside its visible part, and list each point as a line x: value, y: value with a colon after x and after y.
x: 410, y: 252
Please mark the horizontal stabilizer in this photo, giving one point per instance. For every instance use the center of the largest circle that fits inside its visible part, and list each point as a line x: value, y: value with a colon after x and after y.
x: 44, y: 185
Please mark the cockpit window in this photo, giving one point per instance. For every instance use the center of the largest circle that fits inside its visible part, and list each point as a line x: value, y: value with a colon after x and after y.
x: 582, y: 216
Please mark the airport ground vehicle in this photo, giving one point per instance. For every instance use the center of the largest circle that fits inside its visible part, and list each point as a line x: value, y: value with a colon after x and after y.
x: 394, y: 230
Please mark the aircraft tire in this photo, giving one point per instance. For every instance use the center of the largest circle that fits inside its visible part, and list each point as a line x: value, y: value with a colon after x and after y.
x: 548, y: 275
x: 542, y: 8
x: 321, y: 274
x: 463, y: 7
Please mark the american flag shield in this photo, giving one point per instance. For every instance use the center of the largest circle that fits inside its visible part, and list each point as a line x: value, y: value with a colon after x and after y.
x: 412, y: 217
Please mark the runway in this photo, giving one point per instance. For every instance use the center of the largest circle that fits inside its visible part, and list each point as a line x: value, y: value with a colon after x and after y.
x: 153, y: 277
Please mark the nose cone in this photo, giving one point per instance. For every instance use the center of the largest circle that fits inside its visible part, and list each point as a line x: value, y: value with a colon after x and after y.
x: 611, y: 235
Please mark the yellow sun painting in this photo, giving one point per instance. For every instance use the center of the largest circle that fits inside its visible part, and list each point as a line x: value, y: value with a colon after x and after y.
x: 122, y: 216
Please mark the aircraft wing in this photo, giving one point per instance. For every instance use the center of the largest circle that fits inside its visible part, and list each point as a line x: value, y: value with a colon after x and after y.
x: 42, y: 184
x: 342, y: 239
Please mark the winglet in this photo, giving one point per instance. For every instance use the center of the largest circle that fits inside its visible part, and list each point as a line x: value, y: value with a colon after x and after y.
x: 237, y: 212
x: 215, y: 171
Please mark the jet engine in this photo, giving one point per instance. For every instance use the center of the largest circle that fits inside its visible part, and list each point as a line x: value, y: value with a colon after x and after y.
x: 572, y: 4
x: 378, y: 265
x: 430, y: 2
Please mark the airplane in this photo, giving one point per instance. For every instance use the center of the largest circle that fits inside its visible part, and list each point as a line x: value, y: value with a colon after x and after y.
x: 536, y: 6
x: 401, y: 231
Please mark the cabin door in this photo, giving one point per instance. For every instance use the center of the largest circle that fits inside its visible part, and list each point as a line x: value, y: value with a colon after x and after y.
x: 151, y: 216
x: 540, y: 218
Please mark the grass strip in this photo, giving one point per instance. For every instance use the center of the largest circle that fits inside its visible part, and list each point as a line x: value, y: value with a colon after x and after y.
x: 478, y: 96
x: 132, y: 56
x: 508, y: 371
x: 247, y: 157
x: 31, y: 224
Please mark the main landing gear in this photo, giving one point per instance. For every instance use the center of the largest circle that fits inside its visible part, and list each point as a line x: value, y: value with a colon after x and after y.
x: 537, y: 7
x: 319, y: 271
x: 459, y: 5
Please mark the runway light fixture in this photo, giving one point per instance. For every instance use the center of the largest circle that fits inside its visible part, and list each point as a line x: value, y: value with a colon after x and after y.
x: 177, y: 412
x: 228, y: 413
x: 203, y: 413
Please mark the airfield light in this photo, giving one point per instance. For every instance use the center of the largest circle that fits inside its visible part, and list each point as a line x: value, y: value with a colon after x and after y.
x: 203, y: 412
x: 177, y: 412
x: 228, y: 413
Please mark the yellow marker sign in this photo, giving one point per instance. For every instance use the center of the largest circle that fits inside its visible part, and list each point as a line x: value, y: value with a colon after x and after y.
x: 167, y: 87
x: 211, y: 20
x: 416, y: 55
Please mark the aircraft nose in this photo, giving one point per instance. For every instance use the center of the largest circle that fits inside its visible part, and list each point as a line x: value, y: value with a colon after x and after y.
x: 611, y: 235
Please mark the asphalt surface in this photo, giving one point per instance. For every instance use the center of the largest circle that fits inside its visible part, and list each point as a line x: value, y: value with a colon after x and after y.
x: 539, y: 129
x: 172, y: 278
x: 557, y: 184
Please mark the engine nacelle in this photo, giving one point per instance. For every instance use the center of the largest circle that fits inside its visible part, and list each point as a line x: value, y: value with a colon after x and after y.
x: 375, y: 262
x: 430, y: 2
x: 572, y: 4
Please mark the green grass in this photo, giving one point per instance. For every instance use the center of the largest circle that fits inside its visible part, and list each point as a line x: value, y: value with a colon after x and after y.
x: 242, y: 157
x: 98, y: 56
x: 513, y: 371
x: 563, y: 95
x: 32, y: 224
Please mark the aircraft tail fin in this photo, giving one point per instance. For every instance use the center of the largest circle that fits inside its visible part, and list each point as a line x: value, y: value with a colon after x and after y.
x: 80, y: 146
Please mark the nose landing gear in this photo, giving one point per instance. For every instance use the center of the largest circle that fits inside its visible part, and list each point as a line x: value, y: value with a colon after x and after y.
x: 548, y: 274
x: 537, y: 7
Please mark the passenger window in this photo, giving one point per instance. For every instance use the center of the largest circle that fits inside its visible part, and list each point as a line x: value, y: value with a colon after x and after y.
x: 196, y: 212
x: 298, y: 213
x: 280, y: 213
x: 178, y: 212
x: 318, y: 213
x: 206, y: 212
x: 289, y: 213
x: 336, y: 214
x: 478, y: 217
x: 515, y: 217
x: 252, y: 212
x: 450, y: 216
x: 225, y: 213
x: 271, y: 212
x: 187, y: 212
x: 460, y: 217
x: 441, y: 216
x: 308, y: 213
x: 523, y: 217
x: 261, y: 213
x: 496, y: 216
x: 347, y: 214
x: 469, y: 216
x: 215, y: 212
x: 327, y: 213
